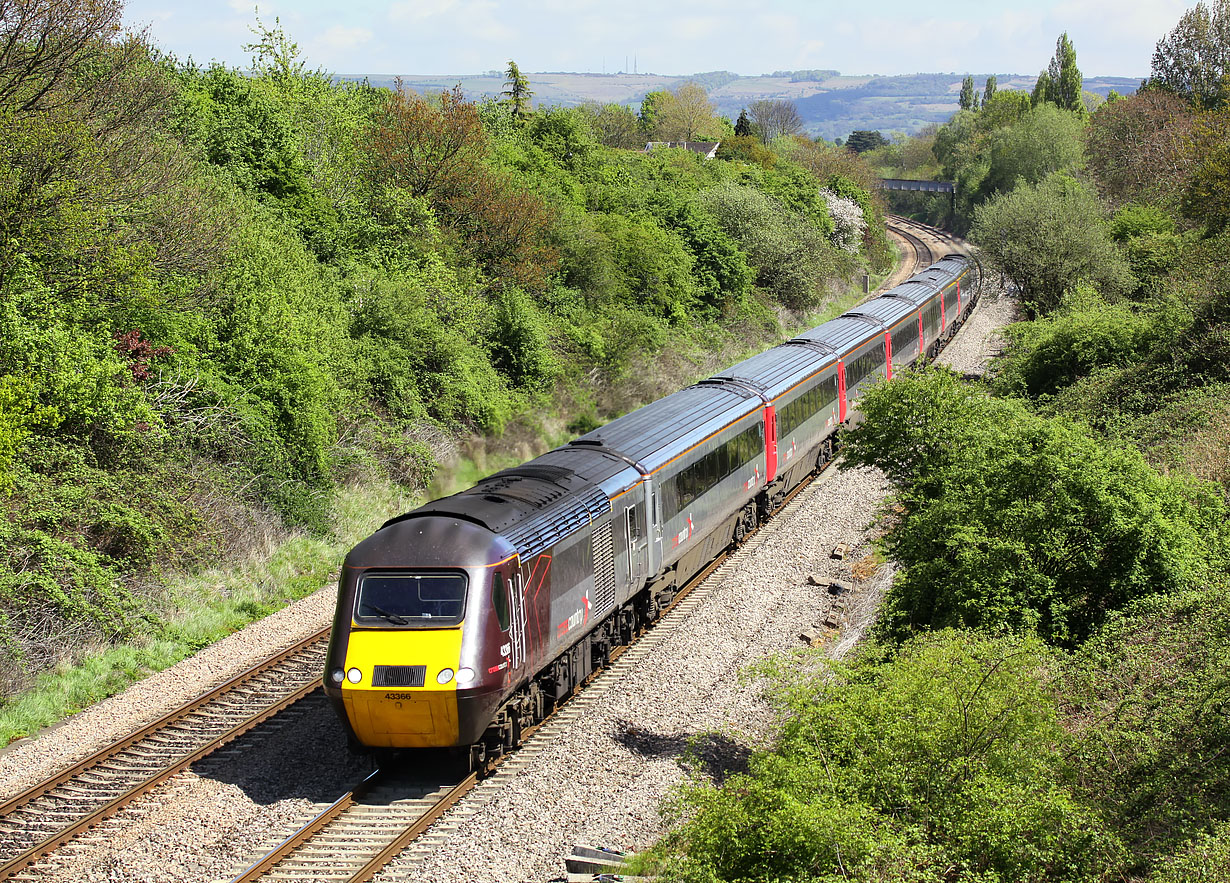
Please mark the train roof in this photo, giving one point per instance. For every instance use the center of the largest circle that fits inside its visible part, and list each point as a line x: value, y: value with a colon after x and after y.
x: 654, y: 435
x: 842, y: 334
x: 915, y: 290
x: 533, y: 505
x: 777, y: 370
x: 886, y: 310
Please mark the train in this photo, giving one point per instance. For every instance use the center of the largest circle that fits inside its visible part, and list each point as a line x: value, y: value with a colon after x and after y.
x: 461, y: 624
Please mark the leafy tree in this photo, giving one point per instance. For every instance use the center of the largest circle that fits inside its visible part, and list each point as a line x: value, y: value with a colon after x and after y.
x: 685, y: 115
x: 989, y: 92
x: 617, y: 126
x: 1193, y: 60
x: 1206, y: 196
x: 651, y: 106
x: 862, y: 140
x: 774, y: 117
x: 1047, y: 237
x: 745, y: 148
x: 54, y: 53
x: 743, y: 126
x: 1042, y: 88
x: 1138, y: 147
x: 428, y: 149
x: 969, y: 98
x: 1003, y: 109
x: 517, y: 91
x: 790, y: 255
x: 1063, y: 83
x: 1042, y: 142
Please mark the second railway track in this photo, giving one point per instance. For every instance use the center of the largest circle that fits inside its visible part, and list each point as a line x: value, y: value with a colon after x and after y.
x: 56, y: 811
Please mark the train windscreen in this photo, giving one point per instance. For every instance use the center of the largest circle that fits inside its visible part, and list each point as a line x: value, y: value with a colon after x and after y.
x: 417, y: 600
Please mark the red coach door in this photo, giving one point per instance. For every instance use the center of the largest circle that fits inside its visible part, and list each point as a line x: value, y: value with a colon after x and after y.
x: 888, y: 355
x: 770, y: 442
x: 841, y: 392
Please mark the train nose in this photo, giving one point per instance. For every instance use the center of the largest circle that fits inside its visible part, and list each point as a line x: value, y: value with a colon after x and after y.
x: 399, y: 688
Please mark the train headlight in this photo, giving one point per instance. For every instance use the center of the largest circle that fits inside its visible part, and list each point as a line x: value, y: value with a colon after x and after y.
x: 445, y: 675
x: 354, y: 676
x: 337, y: 675
x: 465, y: 676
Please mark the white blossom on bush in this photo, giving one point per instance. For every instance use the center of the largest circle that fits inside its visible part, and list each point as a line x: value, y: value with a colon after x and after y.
x: 848, y: 221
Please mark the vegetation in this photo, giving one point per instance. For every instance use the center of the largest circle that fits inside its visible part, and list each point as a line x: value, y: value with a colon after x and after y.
x: 1045, y: 696
x: 232, y: 300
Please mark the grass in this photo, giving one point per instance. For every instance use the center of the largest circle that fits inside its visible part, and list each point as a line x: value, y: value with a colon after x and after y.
x: 202, y: 608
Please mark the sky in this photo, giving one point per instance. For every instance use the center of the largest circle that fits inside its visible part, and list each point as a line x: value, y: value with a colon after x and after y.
x: 1112, y: 37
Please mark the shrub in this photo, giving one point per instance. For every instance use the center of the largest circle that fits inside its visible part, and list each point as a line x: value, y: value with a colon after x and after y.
x: 791, y: 257
x: 1012, y: 521
x: 1086, y: 333
x: 944, y: 761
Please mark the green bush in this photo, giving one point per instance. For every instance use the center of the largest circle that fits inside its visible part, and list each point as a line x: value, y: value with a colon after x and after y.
x: 791, y: 256
x: 1150, y: 690
x: 1013, y: 521
x: 944, y: 761
x: 1085, y: 333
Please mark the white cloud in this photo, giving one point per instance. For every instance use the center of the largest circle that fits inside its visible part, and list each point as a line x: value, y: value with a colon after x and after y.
x: 420, y: 10
x: 338, y: 38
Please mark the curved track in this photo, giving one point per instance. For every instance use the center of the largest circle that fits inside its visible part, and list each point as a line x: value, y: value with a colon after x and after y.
x: 54, y: 812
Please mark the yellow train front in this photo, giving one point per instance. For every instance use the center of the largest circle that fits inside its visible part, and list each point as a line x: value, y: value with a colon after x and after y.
x: 420, y: 651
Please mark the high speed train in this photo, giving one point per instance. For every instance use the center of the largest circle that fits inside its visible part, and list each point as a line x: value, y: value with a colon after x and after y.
x: 463, y: 622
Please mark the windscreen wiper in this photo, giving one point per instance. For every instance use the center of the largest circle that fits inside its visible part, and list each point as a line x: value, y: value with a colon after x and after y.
x: 391, y: 617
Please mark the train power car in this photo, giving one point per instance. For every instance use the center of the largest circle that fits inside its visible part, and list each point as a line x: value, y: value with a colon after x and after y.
x: 460, y: 624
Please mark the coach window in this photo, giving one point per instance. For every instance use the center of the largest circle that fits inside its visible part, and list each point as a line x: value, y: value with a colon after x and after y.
x: 499, y: 599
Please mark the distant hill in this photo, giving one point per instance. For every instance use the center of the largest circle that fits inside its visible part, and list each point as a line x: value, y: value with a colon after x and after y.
x: 831, y: 105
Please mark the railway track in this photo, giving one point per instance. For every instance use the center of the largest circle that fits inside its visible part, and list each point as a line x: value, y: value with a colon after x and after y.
x: 56, y: 811
x: 912, y: 233
x: 391, y: 816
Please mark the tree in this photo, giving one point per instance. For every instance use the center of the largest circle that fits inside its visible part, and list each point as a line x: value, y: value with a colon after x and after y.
x: 989, y: 92
x: 1193, y: 60
x: 1137, y: 147
x: 46, y: 46
x: 685, y: 115
x: 651, y: 106
x: 1064, y: 81
x: 428, y: 149
x: 1042, y: 86
x: 517, y: 91
x: 774, y: 117
x: 616, y: 126
x: 1043, y: 141
x: 969, y: 98
x: 743, y: 126
x: 1048, y: 236
x: 1206, y: 198
x: 862, y: 140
